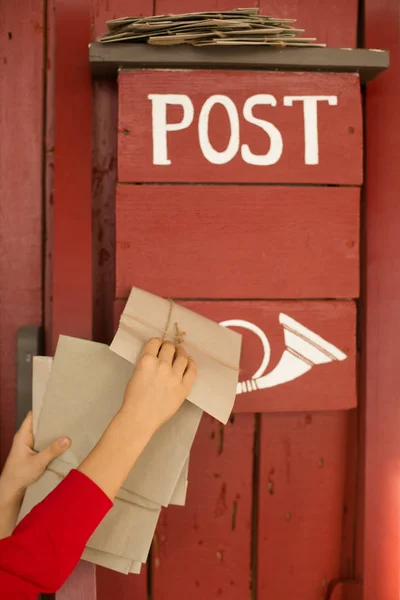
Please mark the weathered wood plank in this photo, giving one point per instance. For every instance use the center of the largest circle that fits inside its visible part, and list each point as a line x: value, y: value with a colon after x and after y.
x: 72, y: 216
x: 333, y: 23
x: 381, y: 374
x: 177, y: 6
x: 231, y: 127
x: 302, y: 480
x: 20, y: 191
x: 203, y: 550
x: 104, y: 165
x: 238, y: 241
x: 72, y: 253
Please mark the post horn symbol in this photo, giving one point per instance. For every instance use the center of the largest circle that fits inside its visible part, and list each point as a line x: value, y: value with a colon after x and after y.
x: 304, y: 350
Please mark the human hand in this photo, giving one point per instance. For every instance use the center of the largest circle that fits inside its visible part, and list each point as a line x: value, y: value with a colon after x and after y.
x: 163, y: 378
x: 24, y: 466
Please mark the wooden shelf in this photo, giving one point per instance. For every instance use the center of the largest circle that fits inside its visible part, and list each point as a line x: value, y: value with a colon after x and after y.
x: 107, y: 59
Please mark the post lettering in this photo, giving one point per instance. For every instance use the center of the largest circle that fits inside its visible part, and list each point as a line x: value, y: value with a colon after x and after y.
x: 310, y: 111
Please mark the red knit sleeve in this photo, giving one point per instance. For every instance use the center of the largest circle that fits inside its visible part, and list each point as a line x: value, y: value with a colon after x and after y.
x: 46, y: 546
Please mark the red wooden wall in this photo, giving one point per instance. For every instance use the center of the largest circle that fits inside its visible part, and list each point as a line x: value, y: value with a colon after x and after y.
x: 321, y: 445
x: 381, y: 318
x: 234, y: 529
x: 20, y: 190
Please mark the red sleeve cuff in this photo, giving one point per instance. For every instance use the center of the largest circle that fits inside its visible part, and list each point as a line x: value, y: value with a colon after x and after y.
x: 77, y: 502
x: 47, y: 544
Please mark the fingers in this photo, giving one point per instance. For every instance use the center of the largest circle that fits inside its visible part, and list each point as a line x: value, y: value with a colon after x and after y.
x: 51, y: 452
x: 167, y: 352
x: 181, y: 362
x: 190, y: 375
x: 24, y: 434
x: 27, y: 423
x: 152, y: 347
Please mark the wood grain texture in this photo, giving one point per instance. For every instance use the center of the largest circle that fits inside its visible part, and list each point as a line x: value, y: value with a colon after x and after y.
x: 238, y: 241
x: 339, y: 128
x: 104, y: 175
x: 104, y: 163
x: 104, y: 166
x: 203, y: 550
x: 325, y: 388
x: 72, y: 217
x: 49, y: 172
x: 121, y: 587
x: 382, y: 317
x: 333, y: 23
x: 104, y: 10
x: 352, y: 491
x: 302, y: 480
x: 177, y: 6
x: 72, y: 256
x: 20, y: 191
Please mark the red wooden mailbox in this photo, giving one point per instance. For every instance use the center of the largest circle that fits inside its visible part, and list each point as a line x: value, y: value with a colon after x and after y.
x: 228, y: 179
x: 239, y: 195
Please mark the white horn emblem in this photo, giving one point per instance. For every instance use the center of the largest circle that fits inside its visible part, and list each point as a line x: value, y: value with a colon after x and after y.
x: 304, y: 350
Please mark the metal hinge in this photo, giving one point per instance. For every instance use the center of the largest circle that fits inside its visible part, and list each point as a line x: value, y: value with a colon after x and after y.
x: 29, y: 344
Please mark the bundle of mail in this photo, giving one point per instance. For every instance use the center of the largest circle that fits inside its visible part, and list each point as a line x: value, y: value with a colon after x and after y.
x: 240, y: 27
x: 77, y: 393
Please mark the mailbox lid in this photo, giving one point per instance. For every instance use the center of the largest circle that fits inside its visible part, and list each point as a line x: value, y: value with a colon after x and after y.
x: 239, y: 127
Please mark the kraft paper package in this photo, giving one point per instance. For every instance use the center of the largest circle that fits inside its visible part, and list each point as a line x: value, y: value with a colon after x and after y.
x: 79, y: 391
x: 215, y: 349
x: 121, y: 520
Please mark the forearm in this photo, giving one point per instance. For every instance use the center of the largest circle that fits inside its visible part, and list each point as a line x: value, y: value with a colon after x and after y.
x: 10, y: 504
x: 116, y: 452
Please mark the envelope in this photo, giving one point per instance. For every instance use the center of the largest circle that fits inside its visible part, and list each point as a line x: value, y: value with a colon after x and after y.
x: 215, y: 349
x: 85, y: 390
x: 109, y: 561
x: 41, y: 372
x: 40, y: 376
x: 126, y: 531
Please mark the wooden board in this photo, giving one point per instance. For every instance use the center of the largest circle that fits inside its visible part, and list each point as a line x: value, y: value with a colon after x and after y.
x: 301, y: 491
x: 237, y: 126
x: 20, y: 191
x: 177, y: 6
x: 104, y: 161
x: 72, y: 218
x: 332, y: 23
x: 105, y: 10
x: 204, y: 549
x: 238, y: 241
x: 326, y: 387
x: 121, y: 587
x: 72, y: 252
x: 381, y: 547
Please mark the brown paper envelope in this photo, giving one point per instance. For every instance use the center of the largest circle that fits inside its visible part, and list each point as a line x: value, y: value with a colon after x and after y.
x: 109, y: 561
x: 211, y: 346
x: 40, y: 376
x: 126, y: 531
x: 85, y: 390
x: 178, y: 497
x: 61, y: 468
x: 41, y: 368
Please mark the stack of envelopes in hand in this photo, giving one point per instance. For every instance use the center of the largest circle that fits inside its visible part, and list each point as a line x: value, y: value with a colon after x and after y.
x: 243, y: 26
x: 77, y: 393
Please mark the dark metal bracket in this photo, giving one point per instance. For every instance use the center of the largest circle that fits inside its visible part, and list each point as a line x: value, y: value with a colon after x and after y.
x: 30, y: 340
